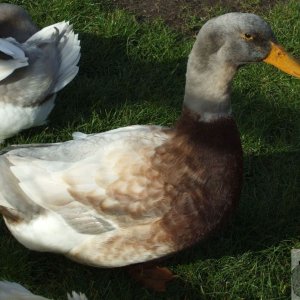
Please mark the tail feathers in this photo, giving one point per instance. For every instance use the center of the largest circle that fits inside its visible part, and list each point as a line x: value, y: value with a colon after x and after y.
x: 49, y: 34
x: 68, y: 46
x: 14, y: 291
x: 17, y: 60
x: 12, y: 214
x: 15, y: 204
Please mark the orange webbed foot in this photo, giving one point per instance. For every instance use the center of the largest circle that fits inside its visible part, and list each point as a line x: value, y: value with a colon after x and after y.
x: 153, y: 277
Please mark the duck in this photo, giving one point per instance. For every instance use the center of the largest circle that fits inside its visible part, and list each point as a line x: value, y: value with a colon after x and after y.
x: 34, y: 66
x: 15, y: 291
x: 137, y: 194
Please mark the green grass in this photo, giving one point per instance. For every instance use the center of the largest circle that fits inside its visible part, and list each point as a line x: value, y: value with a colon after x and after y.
x: 134, y: 73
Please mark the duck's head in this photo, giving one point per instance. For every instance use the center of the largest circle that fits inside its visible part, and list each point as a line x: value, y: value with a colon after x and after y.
x: 223, y: 45
x: 245, y: 38
x: 15, y: 22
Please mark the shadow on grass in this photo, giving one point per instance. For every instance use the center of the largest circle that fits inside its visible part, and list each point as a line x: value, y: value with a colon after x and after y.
x: 110, y: 79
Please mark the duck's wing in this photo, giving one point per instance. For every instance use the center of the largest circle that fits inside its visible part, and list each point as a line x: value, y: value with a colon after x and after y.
x: 62, y: 37
x: 12, y: 57
x: 95, y: 184
x: 14, y: 291
x: 50, y: 58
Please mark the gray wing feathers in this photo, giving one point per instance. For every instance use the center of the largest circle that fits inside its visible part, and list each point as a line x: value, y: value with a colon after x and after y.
x: 83, y: 220
x: 18, y: 58
x: 68, y: 46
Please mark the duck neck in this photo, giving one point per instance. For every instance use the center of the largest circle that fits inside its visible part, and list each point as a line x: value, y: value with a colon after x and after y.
x: 208, y: 83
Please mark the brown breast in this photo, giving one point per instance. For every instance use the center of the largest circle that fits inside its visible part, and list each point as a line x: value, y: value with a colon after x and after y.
x: 202, y: 170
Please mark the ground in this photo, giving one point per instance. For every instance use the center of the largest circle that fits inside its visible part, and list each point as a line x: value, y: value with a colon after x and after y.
x: 175, y: 12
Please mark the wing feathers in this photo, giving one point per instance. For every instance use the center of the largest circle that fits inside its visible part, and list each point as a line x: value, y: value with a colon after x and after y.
x: 18, y: 58
x: 68, y: 46
x: 107, y: 184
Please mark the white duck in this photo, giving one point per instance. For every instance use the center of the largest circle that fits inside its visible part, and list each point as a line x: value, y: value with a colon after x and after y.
x: 15, y: 291
x: 34, y: 66
x: 139, y: 193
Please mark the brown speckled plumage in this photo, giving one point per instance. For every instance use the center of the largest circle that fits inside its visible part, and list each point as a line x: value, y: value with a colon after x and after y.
x: 187, y: 188
x: 203, y: 163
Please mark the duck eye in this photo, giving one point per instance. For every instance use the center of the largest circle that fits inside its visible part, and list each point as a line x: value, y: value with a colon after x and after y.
x: 247, y: 36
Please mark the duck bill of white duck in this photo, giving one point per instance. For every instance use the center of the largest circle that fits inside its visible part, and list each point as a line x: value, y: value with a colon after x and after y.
x: 279, y: 58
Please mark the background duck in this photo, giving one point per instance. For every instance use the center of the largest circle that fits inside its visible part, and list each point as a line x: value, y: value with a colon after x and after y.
x: 14, y: 291
x: 139, y: 193
x: 16, y: 22
x: 34, y: 66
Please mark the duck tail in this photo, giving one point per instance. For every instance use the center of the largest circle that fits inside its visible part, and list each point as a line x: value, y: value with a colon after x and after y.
x: 14, y: 203
x: 68, y: 46
x: 12, y: 57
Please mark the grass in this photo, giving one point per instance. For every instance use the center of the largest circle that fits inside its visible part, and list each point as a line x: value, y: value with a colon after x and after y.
x: 133, y: 73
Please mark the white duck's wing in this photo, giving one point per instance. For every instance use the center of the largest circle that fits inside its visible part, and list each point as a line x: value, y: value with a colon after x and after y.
x: 12, y: 57
x: 14, y: 291
x: 53, y: 54
x: 61, y: 36
x: 88, y: 186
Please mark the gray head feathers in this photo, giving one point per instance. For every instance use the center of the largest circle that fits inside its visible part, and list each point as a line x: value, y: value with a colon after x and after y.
x: 15, y: 22
x: 223, y: 44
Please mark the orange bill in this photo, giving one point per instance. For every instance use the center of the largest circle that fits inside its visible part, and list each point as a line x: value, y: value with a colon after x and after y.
x: 279, y: 58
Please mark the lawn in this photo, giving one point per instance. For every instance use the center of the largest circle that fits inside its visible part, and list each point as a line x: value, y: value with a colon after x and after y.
x: 132, y: 71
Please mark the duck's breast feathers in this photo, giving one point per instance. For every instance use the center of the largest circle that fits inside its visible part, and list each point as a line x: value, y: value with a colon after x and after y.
x: 95, y: 185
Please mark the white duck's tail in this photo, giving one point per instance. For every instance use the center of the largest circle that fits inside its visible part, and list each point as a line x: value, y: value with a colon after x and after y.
x: 14, y: 203
x: 68, y: 46
x: 14, y: 57
x: 14, y: 291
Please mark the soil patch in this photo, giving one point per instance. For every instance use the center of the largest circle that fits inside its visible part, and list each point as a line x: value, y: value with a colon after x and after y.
x: 186, y: 14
